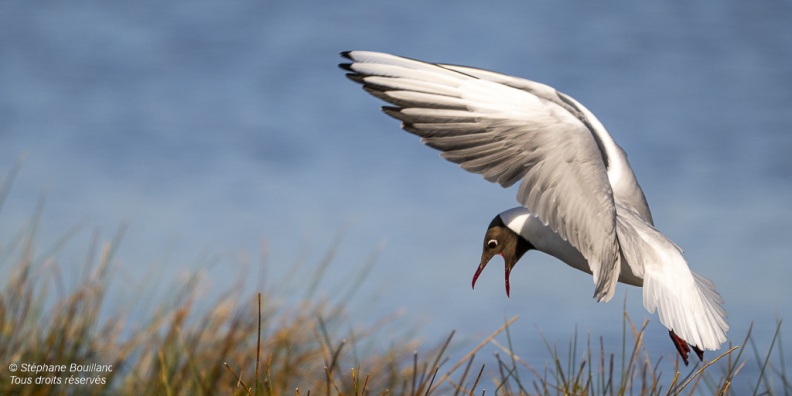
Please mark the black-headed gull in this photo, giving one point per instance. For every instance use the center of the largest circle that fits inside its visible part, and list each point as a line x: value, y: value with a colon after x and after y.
x: 580, y: 200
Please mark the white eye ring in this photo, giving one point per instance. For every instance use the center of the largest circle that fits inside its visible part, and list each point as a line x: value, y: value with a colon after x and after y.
x: 492, y: 244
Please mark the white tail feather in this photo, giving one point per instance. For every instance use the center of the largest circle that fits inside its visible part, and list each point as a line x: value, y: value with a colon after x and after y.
x: 687, y: 303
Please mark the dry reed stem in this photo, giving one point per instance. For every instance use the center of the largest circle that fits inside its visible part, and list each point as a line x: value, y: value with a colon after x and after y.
x: 476, y: 349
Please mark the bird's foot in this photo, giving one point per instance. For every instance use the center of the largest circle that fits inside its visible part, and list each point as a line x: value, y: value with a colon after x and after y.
x: 683, y: 348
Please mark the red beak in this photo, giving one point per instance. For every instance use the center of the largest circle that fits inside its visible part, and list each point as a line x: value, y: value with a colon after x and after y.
x: 481, y: 268
x: 476, y: 275
x: 508, y: 271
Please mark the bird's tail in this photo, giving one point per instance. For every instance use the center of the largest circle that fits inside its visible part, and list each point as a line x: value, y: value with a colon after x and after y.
x: 687, y: 303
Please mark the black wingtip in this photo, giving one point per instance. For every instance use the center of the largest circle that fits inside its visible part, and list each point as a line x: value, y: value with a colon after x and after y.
x: 355, y: 77
x: 346, y: 66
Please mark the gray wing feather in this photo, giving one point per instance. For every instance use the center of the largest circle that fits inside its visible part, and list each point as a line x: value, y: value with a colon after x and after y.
x: 507, y: 134
x: 627, y: 190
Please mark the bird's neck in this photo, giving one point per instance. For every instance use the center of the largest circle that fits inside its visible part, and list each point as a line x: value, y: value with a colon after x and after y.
x: 542, y: 237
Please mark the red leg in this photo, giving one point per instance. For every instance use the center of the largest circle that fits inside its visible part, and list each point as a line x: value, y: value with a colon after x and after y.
x: 681, y: 346
x: 699, y: 352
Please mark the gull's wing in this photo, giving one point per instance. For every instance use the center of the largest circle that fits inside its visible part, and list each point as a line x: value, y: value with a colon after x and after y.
x: 622, y: 179
x: 507, y: 134
x: 540, y: 90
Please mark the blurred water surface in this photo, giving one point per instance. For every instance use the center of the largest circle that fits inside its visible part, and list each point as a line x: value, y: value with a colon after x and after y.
x: 211, y: 127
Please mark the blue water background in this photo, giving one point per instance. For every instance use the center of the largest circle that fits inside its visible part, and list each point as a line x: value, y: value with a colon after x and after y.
x: 213, y: 128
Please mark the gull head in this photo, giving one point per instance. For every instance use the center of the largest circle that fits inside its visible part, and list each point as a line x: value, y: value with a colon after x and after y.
x: 503, y: 241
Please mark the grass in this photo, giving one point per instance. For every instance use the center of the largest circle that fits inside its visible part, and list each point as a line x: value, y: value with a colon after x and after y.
x: 253, y: 344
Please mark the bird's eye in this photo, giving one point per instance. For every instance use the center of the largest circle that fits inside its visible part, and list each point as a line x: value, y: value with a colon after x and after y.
x: 492, y: 244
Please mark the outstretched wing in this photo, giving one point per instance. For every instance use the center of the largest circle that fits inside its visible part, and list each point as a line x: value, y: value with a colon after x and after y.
x: 622, y: 179
x: 507, y: 135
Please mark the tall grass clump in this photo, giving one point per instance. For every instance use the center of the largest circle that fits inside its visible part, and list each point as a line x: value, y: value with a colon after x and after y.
x: 258, y: 343
x: 177, y: 348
